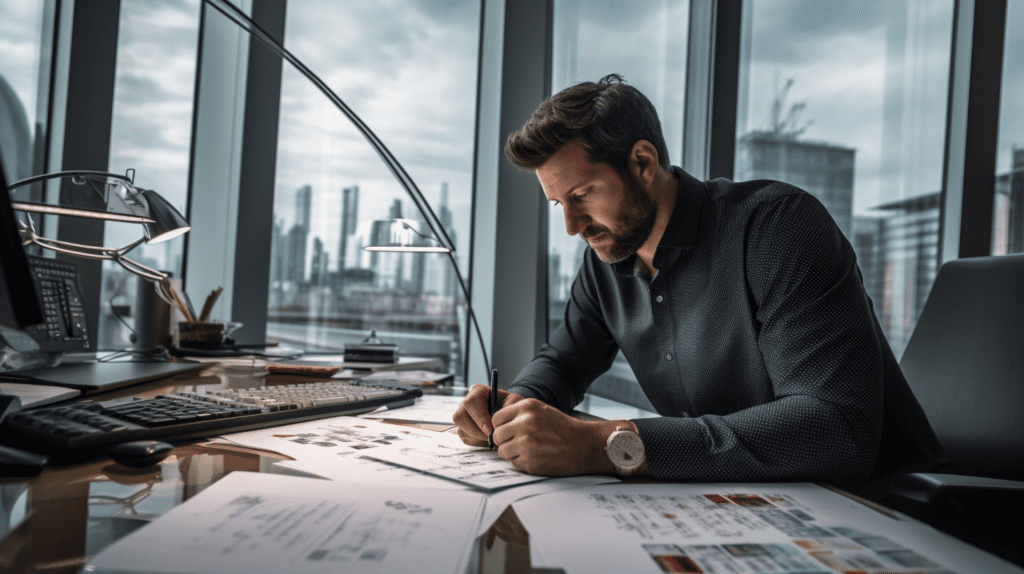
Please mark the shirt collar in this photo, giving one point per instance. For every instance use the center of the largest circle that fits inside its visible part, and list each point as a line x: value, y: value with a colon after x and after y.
x: 682, y: 229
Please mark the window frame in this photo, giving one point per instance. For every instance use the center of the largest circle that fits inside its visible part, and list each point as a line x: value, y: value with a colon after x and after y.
x: 508, y: 262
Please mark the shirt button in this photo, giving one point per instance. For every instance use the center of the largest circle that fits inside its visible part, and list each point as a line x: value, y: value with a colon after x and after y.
x: 668, y: 356
x: 659, y: 298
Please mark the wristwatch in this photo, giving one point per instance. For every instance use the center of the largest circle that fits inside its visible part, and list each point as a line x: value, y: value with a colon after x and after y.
x: 625, y: 450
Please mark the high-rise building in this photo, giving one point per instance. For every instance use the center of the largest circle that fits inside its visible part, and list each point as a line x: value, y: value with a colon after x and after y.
x: 439, y: 275
x: 910, y: 249
x: 867, y: 244
x: 349, y: 220
x: 418, y: 275
x: 822, y: 169
x: 1008, y: 226
x: 295, y: 258
x: 295, y: 254
x: 318, y: 263
x: 303, y: 206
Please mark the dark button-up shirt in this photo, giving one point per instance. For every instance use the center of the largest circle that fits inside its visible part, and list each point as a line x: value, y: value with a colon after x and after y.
x: 754, y: 340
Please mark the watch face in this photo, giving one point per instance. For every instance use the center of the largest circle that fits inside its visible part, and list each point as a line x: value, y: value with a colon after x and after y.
x: 625, y: 449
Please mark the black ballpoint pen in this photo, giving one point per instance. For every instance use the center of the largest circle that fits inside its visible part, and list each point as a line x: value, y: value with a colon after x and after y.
x: 492, y: 405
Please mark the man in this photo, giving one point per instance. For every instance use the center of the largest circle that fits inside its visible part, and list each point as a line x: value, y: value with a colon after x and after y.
x: 739, y: 307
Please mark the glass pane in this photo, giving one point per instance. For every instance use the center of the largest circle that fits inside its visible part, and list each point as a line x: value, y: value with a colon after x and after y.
x: 26, y: 32
x: 152, y: 131
x: 847, y: 100
x: 1008, y: 223
x: 409, y: 70
x: 646, y: 42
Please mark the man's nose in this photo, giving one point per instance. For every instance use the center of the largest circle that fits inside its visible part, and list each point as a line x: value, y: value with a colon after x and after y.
x: 575, y: 220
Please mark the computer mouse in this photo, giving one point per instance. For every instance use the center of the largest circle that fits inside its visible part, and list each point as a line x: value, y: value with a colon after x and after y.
x: 140, y: 453
x: 16, y: 462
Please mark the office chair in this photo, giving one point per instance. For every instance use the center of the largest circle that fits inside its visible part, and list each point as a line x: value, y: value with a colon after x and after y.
x: 965, y: 364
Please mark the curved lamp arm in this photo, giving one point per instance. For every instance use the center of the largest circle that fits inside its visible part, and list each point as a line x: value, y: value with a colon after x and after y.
x: 243, y: 21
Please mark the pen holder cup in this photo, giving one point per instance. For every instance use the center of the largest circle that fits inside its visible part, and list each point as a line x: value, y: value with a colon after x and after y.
x: 200, y: 334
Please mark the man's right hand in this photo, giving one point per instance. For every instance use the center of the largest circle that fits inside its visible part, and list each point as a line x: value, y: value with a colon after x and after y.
x: 472, y: 418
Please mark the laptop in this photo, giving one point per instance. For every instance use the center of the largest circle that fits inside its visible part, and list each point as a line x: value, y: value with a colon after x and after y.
x: 96, y: 377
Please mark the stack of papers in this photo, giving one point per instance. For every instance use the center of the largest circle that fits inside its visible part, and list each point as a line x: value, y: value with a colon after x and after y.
x: 354, y: 449
x: 736, y: 528
x: 249, y: 522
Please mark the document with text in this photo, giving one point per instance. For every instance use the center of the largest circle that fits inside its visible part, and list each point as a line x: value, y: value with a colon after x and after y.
x: 328, y: 437
x: 781, y: 528
x: 248, y: 522
x: 446, y: 456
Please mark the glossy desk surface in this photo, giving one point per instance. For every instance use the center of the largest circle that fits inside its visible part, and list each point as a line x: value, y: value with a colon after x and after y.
x: 56, y: 521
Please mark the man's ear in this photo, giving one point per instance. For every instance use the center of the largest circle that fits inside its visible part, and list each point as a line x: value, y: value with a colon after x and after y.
x: 643, y: 161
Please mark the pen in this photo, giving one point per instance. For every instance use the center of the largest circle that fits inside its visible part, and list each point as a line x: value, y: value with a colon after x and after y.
x: 492, y: 404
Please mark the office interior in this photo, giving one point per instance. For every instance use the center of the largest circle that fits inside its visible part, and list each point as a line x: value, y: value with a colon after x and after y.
x: 903, y: 117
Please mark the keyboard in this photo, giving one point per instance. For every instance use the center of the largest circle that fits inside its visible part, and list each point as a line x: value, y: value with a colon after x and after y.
x: 60, y: 288
x: 188, y: 415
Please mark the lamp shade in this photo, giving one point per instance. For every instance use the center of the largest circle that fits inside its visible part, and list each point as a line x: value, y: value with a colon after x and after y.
x: 401, y: 235
x: 167, y: 222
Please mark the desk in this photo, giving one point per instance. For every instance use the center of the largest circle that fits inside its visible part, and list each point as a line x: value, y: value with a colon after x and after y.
x: 73, y: 512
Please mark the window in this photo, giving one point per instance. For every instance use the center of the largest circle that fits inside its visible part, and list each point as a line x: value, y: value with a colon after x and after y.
x: 863, y: 86
x: 1008, y: 220
x: 409, y: 70
x: 646, y: 43
x: 151, y: 133
x: 26, y: 30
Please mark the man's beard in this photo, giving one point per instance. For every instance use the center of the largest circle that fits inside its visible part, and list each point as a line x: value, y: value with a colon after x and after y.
x: 636, y: 221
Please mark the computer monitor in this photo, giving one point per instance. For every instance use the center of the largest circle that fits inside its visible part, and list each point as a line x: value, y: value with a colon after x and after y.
x: 20, y: 307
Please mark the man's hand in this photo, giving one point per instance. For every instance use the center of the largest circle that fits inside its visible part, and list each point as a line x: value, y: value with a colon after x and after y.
x: 472, y: 418
x: 540, y: 439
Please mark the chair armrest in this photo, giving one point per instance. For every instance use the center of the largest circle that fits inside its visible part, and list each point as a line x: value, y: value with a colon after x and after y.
x: 927, y: 487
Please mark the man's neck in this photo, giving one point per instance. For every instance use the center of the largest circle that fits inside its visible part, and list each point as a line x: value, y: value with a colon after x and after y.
x: 666, y: 188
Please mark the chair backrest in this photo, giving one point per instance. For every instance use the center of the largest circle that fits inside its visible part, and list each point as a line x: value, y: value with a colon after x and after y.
x: 965, y: 364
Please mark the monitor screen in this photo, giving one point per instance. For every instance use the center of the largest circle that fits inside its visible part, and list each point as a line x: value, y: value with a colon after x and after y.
x: 19, y: 303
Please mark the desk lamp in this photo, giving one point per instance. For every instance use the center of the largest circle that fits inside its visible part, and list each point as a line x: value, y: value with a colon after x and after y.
x: 397, y: 235
x: 109, y: 197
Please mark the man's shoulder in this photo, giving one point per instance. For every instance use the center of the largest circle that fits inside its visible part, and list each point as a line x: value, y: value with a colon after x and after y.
x: 755, y: 191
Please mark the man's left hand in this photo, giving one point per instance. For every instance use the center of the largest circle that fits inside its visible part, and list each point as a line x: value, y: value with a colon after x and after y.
x: 540, y: 439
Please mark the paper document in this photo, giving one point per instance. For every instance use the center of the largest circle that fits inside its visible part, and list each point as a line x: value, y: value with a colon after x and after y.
x: 326, y: 437
x: 344, y: 468
x: 736, y: 528
x: 446, y: 456
x: 497, y: 502
x: 248, y: 522
x: 436, y: 409
x: 333, y: 448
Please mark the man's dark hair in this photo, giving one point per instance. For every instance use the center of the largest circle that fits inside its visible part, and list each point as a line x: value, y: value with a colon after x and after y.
x: 607, y: 118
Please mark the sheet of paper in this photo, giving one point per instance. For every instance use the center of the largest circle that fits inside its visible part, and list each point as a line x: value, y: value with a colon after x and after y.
x: 437, y: 409
x: 248, y: 522
x: 446, y: 456
x: 322, y: 438
x: 737, y: 528
x: 349, y: 467
x: 498, y: 501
